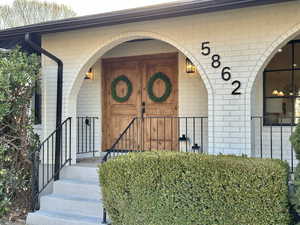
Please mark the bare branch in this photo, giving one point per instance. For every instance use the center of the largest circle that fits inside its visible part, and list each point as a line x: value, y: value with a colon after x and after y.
x: 24, y: 12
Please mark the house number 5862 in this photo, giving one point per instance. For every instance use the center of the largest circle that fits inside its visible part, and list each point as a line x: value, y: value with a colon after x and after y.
x: 216, y: 63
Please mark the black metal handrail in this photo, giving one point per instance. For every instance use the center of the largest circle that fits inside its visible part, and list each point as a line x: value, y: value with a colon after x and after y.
x: 161, y: 133
x: 86, y: 130
x: 188, y: 134
x: 109, y: 151
x: 44, y: 159
x: 270, y: 138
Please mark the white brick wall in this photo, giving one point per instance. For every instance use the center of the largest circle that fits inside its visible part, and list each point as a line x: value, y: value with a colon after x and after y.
x: 245, y: 38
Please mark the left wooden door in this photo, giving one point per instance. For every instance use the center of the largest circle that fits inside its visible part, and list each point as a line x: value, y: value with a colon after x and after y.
x: 118, y: 114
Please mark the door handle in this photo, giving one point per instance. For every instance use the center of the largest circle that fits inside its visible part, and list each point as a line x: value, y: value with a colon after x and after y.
x: 143, y: 109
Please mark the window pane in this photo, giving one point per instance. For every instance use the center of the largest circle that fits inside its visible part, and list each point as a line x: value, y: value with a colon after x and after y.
x: 278, y: 109
x: 297, y: 55
x: 297, y: 108
x: 282, y: 60
x: 37, y: 103
x: 278, y: 84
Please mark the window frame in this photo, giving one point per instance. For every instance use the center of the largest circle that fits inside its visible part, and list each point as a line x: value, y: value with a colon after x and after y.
x: 37, y: 103
x: 291, y: 69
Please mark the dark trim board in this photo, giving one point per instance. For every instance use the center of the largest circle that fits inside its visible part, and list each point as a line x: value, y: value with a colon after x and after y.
x: 161, y: 11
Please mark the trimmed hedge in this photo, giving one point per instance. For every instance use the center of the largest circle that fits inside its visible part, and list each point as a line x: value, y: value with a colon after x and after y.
x: 192, y: 189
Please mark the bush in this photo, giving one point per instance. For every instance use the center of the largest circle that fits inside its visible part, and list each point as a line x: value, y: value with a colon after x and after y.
x: 192, y: 189
x: 295, y: 194
x: 18, y: 75
x: 295, y: 140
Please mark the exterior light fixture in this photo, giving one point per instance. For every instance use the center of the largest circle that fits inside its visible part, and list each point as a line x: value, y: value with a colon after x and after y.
x: 196, y: 148
x: 190, y: 67
x: 89, y: 75
x: 184, y: 143
x: 280, y: 50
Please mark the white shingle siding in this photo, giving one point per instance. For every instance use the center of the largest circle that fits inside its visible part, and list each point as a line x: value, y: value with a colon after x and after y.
x: 245, y: 38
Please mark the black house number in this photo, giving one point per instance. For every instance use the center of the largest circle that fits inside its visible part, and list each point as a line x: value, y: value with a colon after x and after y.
x: 216, y: 63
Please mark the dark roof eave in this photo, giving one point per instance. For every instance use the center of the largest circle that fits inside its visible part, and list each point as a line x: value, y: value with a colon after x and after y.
x: 183, y: 8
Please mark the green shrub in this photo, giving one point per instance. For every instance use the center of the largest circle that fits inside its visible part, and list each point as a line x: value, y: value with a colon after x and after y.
x: 192, y: 189
x: 295, y: 195
x: 18, y: 74
x: 295, y: 140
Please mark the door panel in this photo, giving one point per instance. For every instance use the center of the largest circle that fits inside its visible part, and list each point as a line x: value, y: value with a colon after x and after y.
x: 119, y: 114
x: 160, y: 132
x: 169, y: 67
x: 153, y: 133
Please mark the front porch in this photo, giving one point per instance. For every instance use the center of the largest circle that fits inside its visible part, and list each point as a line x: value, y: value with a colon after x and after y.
x: 189, y: 126
x: 101, y: 118
x: 78, y: 184
x: 113, y: 112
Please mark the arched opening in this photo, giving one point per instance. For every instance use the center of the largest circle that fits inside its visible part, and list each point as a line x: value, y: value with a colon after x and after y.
x: 275, y: 102
x: 175, y: 117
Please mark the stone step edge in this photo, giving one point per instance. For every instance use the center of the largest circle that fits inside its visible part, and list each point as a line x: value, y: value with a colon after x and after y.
x: 68, y: 216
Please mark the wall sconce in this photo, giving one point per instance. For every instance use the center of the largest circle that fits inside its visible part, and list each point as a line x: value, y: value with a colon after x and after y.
x: 184, y: 143
x: 89, y: 75
x: 190, y: 67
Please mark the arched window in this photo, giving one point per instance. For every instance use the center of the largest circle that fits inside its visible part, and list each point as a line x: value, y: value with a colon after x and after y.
x: 281, y: 85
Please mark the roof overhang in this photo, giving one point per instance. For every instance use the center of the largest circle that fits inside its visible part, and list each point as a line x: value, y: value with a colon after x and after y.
x: 161, y: 11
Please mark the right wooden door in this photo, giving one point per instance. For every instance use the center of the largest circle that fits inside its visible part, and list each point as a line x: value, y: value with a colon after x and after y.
x: 160, y: 98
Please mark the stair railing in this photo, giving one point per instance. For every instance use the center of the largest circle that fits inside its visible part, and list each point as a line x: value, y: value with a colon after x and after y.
x: 43, y: 160
x: 86, y: 132
x: 112, y: 151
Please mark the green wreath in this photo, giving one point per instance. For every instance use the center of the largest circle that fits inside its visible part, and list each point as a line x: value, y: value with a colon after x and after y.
x: 168, y: 86
x: 114, y: 89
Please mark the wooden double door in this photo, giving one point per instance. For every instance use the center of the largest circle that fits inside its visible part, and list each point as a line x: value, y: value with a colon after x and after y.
x: 126, y: 84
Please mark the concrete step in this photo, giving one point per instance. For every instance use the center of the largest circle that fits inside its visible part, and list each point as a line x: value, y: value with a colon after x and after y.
x: 96, y: 154
x: 78, y: 188
x: 80, y: 173
x: 70, y: 204
x: 57, y: 218
x: 76, y: 199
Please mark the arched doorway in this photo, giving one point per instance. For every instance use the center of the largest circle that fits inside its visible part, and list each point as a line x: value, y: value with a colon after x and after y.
x: 127, y: 69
